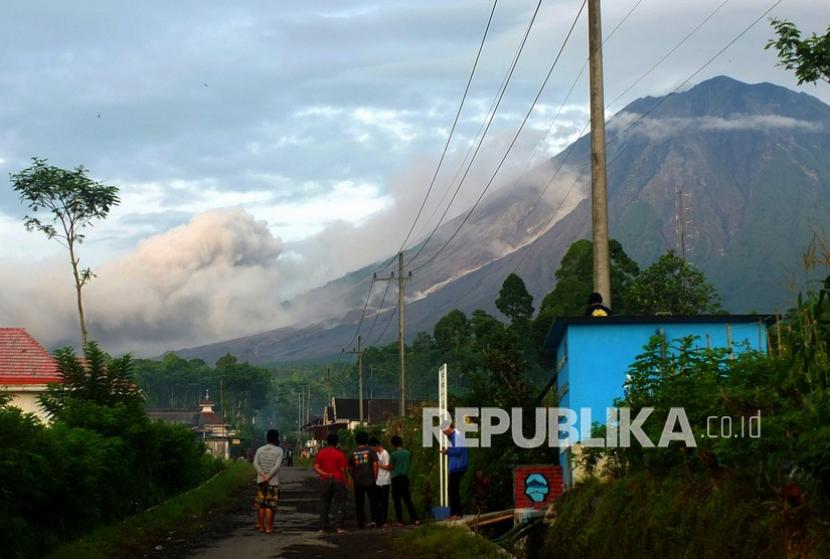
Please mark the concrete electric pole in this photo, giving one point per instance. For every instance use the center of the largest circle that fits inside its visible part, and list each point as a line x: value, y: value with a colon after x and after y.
x: 359, y: 352
x: 402, y: 278
x: 599, y: 178
x: 401, y: 341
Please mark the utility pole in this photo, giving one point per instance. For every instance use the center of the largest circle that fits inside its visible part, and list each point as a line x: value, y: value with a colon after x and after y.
x: 359, y: 352
x: 308, y: 405
x: 402, y: 278
x: 222, y: 398
x: 599, y: 178
x: 681, y: 225
x: 401, y: 341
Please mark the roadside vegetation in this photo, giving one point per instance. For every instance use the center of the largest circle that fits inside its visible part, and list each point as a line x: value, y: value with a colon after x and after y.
x: 178, y: 518
x: 439, y: 542
x: 730, y: 496
x: 99, y: 460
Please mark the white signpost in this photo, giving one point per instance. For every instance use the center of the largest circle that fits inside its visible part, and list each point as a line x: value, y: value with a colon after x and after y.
x: 443, y: 469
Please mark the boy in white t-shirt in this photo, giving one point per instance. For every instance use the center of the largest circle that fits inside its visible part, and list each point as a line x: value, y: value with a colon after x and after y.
x: 383, y: 481
x: 267, y: 463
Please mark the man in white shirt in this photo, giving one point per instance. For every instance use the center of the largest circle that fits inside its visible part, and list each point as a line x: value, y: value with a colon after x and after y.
x: 267, y: 463
x: 383, y: 481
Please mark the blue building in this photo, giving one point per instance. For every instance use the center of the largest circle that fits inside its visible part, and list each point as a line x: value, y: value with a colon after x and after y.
x: 593, y: 355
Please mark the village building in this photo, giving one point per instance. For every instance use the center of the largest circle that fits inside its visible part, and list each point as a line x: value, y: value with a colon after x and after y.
x: 592, y: 357
x: 26, y: 369
x: 205, y: 423
x: 344, y: 413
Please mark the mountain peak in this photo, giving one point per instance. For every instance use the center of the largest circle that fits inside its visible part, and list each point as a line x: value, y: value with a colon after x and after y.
x: 723, y: 96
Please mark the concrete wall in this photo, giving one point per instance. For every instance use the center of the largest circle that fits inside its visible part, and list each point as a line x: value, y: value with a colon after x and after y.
x: 25, y: 398
x: 597, y: 357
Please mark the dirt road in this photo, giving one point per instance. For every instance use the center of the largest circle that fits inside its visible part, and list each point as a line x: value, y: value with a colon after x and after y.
x: 235, y: 537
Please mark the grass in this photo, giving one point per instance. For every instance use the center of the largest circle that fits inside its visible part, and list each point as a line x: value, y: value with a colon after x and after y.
x: 183, y: 514
x: 438, y: 542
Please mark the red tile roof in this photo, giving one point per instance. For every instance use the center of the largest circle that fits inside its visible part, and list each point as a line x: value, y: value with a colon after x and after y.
x: 23, y: 360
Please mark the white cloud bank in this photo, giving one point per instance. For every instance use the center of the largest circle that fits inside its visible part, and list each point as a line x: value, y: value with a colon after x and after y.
x: 218, y: 276
x: 664, y: 127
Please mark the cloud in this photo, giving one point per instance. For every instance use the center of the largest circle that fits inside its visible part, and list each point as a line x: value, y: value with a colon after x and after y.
x: 664, y: 127
x: 203, y: 110
x: 220, y: 275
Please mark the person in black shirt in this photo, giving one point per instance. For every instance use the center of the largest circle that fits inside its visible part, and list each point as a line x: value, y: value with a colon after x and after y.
x: 595, y: 306
x: 363, y: 467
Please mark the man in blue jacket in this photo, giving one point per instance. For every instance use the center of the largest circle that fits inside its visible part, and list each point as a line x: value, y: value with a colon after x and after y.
x: 457, y: 452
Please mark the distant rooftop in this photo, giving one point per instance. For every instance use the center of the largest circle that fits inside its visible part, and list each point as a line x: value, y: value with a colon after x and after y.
x: 24, y: 361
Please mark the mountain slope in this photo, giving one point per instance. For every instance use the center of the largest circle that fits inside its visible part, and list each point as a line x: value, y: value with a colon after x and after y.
x: 753, y: 164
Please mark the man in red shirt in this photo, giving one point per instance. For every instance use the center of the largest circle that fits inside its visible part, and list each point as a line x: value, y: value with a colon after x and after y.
x: 330, y: 465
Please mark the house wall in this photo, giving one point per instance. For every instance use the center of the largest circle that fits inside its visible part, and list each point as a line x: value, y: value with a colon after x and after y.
x: 25, y: 398
x: 597, y: 358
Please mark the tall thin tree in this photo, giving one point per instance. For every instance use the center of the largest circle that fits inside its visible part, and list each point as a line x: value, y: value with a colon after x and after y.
x: 73, y: 202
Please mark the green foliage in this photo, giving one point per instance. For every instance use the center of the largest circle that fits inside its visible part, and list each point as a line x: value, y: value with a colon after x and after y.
x: 736, y: 496
x: 672, y: 286
x: 95, y: 378
x: 574, y: 283
x: 452, y: 332
x: 438, y: 542
x: 691, y: 515
x: 99, y: 460
x: 174, y: 382
x: 70, y: 196
x: 514, y: 301
x: 183, y: 514
x: 810, y: 57
x: 74, y: 202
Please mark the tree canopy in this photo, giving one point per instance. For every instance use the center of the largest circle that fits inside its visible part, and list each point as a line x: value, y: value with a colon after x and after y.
x: 575, y: 280
x: 672, y: 286
x: 810, y: 57
x: 514, y: 301
x: 74, y: 201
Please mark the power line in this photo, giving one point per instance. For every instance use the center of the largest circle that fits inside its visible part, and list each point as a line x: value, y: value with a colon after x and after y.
x: 437, y: 169
x: 553, y: 122
x: 644, y: 115
x: 659, y: 61
x: 513, y: 141
x: 491, y: 116
x: 670, y: 52
x: 454, y: 124
x: 363, y: 313
x: 473, y: 143
x: 551, y: 128
x: 691, y: 77
x: 392, y: 314
x: 380, y: 309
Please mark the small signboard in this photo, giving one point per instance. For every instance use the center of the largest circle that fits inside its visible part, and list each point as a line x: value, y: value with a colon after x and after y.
x: 443, y: 467
x: 536, y: 486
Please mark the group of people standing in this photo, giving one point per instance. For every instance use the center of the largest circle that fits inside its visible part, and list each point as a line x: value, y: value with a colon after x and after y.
x: 373, y: 472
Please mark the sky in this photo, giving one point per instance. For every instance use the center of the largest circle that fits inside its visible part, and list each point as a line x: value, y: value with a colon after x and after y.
x: 264, y: 148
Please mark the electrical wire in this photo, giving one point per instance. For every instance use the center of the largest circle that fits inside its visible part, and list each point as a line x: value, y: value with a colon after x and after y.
x: 454, y: 125
x: 617, y: 98
x: 491, y: 116
x: 380, y: 309
x: 513, y: 141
